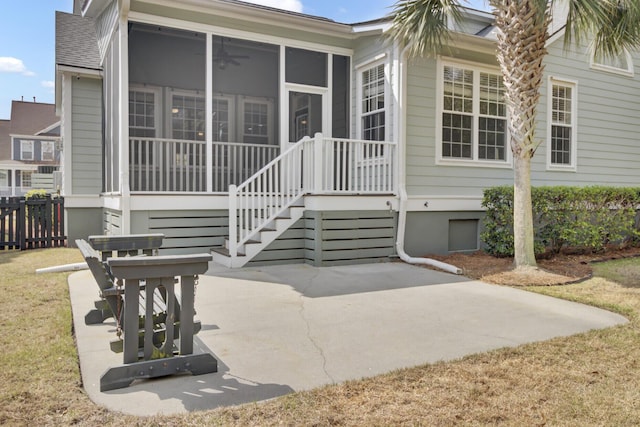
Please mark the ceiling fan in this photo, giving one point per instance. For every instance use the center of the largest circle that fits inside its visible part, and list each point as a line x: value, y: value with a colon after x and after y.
x: 223, y: 58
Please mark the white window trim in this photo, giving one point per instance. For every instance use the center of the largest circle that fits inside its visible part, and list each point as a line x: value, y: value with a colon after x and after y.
x: 360, y: 69
x: 475, y: 162
x: 24, y: 142
x: 629, y: 72
x: 231, y: 122
x: 157, y: 101
x: 42, y: 150
x: 169, y: 109
x: 269, y: 102
x: 573, y: 167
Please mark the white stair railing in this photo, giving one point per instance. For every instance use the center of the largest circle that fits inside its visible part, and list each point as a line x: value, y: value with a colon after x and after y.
x: 311, y: 166
x: 260, y: 199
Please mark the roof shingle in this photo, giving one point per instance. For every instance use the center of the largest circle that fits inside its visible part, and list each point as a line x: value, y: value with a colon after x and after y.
x: 76, y: 42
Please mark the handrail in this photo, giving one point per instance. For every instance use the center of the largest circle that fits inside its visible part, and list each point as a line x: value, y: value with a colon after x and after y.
x: 321, y: 165
x: 265, y: 195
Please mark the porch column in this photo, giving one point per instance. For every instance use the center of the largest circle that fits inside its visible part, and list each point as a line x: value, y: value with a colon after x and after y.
x: 123, y: 123
x: 13, y: 182
x: 209, y: 114
x: 317, y: 163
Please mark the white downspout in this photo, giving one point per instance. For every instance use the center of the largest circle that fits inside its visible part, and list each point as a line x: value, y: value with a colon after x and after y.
x: 401, y: 77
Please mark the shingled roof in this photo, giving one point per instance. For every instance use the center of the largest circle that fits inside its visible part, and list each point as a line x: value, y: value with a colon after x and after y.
x: 76, y: 42
x: 28, y: 118
x: 5, y: 140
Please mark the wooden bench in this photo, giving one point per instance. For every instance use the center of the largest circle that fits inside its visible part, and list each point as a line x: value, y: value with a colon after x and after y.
x: 151, y: 349
x: 98, y: 251
x: 137, y: 288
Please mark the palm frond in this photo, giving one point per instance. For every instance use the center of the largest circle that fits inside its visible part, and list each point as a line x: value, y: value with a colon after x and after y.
x: 613, y: 24
x: 423, y: 24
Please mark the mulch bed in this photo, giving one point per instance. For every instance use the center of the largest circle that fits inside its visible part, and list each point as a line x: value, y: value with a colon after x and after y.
x: 558, y: 269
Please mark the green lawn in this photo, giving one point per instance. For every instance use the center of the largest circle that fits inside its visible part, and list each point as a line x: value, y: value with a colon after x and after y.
x: 588, y: 379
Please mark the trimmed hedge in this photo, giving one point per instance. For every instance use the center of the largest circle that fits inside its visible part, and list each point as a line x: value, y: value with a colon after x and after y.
x: 581, y: 219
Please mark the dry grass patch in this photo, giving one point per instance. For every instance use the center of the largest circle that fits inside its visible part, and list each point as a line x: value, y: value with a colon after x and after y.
x: 589, y: 379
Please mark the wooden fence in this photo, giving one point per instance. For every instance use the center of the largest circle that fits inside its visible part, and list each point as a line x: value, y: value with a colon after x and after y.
x: 31, y: 224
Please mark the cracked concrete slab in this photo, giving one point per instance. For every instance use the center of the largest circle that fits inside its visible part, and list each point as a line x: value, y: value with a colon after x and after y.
x: 275, y: 330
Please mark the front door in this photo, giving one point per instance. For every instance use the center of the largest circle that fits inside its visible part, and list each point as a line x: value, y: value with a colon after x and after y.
x: 307, y: 114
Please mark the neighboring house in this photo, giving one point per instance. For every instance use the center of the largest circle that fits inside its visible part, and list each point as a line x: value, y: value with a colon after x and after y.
x: 29, y: 148
x: 197, y: 119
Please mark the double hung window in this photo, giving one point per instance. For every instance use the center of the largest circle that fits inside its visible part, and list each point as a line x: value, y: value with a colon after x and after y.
x: 561, y: 151
x: 143, y: 119
x: 26, y: 150
x: 473, y: 120
x: 47, y: 150
x: 373, y: 104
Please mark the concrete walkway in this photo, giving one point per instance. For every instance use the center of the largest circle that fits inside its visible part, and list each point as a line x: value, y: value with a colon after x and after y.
x: 276, y: 330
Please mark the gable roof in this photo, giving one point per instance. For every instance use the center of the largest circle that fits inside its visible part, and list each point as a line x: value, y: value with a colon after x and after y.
x: 28, y: 118
x: 76, y: 42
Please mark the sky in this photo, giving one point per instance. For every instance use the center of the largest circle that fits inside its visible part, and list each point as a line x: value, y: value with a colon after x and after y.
x: 27, y: 39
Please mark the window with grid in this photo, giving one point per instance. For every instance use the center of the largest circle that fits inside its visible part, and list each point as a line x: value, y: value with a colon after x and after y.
x: 188, y: 117
x: 25, y: 179
x: 47, y: 150
x: 256, y: 117
x: 473, y: 115
x: 142, y: 114
x: 373, y: 104
x: 492, y: 122
x: 26, y: 150
x: 562, y: 124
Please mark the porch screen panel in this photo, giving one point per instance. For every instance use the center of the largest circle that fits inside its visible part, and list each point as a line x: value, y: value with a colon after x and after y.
x: 306, y: 67
x: 245, y: 105
x: 167, y: 77
x: 340, y: 96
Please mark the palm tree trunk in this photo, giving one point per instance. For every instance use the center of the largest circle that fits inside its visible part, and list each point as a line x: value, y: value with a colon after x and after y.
x: 523, y: 241
x: 521, y: 48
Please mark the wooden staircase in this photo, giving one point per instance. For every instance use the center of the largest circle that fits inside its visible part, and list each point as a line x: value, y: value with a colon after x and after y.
x: 272, y: 200
x: 267, y: 235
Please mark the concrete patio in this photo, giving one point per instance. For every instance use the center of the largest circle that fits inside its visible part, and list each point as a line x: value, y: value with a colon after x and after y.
x: 277, y: 330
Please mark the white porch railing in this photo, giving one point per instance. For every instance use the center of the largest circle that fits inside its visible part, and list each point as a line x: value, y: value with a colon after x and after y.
x: 311, y: 166
x: 169, y: 165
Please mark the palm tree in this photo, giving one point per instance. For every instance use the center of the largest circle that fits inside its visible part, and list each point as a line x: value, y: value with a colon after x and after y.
x: 612, y: 26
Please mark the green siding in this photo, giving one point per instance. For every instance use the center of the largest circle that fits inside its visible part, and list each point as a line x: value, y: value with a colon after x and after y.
x: 185, y: 231
x: 86, y: 134
x: 349, y: 237
x: 82, y: 222
x: 112, y: 222
x: 440, y: 232
x: 608, y: 130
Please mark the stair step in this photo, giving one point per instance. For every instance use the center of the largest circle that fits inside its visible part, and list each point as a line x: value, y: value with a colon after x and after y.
x: 224, y: 251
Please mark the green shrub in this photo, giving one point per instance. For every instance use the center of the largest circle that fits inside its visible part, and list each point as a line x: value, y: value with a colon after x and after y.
x: 36, y: 194
x: 585, y: 219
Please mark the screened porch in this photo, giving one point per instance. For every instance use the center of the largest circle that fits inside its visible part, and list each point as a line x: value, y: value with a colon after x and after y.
x: 209, y: 111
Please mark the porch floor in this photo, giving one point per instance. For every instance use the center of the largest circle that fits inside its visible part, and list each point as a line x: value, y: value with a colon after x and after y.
x: 277, y: 330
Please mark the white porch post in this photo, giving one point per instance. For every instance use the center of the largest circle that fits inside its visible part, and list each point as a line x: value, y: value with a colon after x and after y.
x: 209, y: 114
x: 123, y: 123
x: 317, y: 163
x: 13, y: 182
x: 233, y: 221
